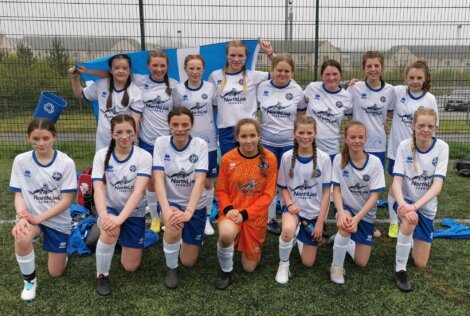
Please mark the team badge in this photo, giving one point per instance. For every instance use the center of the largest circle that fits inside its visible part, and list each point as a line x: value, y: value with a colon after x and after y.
x: 434, y: 161
x: 318, y: 173
x: 193, y: 158
x: 132, y: 168
x: 383, y: 99
x: 57, y: 176
x: 339, y: 104
x: 204, y: 96
x: 366, y: 177
x: 263, y: 165
x: 289, y: 96
x: 240, y: 81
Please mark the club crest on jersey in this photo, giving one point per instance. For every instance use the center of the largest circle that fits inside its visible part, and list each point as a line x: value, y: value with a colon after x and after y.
x: 363, y: 96
x: 434, y: 161
x: 27, y: 174
x: 240, y: 81
x: 263, y: 165
x: 167, y: 157
x: 345, y: 173
x: 204, y: 96
x: 132, y: 168
x: 57, y: 176
x: 265, y: 93
x: 339, y: 104
x: 289, y: 96
x: 193, y: 158
x: 366, y: 177
x: 317, y: 97
x: 409, y: 159
x: 318, y: 173
x: 250, y: 188
x: 383, y: 99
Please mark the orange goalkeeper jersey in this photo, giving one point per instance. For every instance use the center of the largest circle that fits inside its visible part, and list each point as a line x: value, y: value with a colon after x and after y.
x: 242, y: 185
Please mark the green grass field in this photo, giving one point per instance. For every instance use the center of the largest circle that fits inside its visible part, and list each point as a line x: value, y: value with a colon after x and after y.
x: 441, y: 288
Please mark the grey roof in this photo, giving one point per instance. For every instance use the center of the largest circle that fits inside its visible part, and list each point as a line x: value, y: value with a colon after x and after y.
x: 76, y: 43
x: 298, y: 46
x: 433, y: 51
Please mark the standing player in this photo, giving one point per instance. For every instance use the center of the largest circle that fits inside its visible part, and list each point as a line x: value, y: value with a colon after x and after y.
x: 419, y: 171
x: 120, y: 174
x: 327, y: 103
x: 115, y: 95
x: 245, y: 188
x: 236, y: 91
x: 280, y: 99
x: 305, y: 180
x: 408, y: 98
x: 44, y: 182
x: 197, y: 95
x: 179, y: 169
x: 358, y: 177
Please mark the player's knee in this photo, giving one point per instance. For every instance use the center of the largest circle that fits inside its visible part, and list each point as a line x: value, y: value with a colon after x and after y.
x: 249, y: 267
x: 287, y: 234
x: 130, y: 266
x: 225, y: 239
x: 361, y: 262
x: 188, y: 262
x: 420, y: 263
x: 56, y: 272
x: 308, y: 262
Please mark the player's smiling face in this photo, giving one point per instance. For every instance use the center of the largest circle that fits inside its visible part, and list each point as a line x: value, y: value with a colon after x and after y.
x: 180, y: 129
x: 305, y: 135
x: 415, y: 79
x: 282, y: 73
x: 248, y: 138
x: 355, y: 138
x: 194, y: 69
x: 158, y: 67
x: 42, y: 140
x: 120, y: 69
x: 373, y: 68
x: 124, y: 135
x: 236, y: 58
x: 331, y: 76
x: 424, y: 128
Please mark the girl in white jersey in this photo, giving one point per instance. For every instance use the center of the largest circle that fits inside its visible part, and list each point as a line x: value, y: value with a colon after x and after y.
x: 115, y: 95
x: 358, y: 177
x: 327, y: 103
x: 419, y: 171
x: 305, y: 180
x: 236, y: 91
x: 120, y: 174
x: 280, y: 99
x: 157, y: 94
x: 179, y: 169
x: 44, y: 182
x: 198, y: 95
x: 407, y: 100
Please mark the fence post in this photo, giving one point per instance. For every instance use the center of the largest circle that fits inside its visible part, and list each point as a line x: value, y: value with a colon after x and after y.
x: 142, y: 25
x: 317, y: 27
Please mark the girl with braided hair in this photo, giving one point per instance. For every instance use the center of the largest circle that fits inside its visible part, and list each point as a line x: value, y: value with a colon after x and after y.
x: 116, y: 94
x: 245, y: 188
x: 419, y: 172
x: 120, y: 175
x: 305, y: 180
x: 358, y: 178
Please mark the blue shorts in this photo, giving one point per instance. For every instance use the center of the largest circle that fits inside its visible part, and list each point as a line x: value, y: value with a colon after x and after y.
x: 227, y: 140
x: 303, y: 235
x: 54, y: 241
x: 213, y: 167
x: 132, y: 234
x: 193, y: 231
x: 425, y: 229
x: 365, y: 231
x: 381, y: 156
x: 278, y: 152
x: 145, y: 146
x: 391, y: 164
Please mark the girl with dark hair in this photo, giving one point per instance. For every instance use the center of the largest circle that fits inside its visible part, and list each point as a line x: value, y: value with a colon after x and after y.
x: 305, y: 180
x: 120, y: 175
x: 44, y: 182
x: 358, y: 178
x: 116, y: 94
x: 179, y: 169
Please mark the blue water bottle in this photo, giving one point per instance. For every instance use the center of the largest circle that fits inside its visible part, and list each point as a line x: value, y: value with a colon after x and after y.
x: 309, y: 228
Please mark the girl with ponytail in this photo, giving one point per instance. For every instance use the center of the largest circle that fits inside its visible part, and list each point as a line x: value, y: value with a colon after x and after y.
x: 305, y: 180
x: 358, y: 178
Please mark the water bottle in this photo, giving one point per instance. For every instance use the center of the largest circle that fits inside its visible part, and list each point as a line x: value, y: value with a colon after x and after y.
x: 309, y: 228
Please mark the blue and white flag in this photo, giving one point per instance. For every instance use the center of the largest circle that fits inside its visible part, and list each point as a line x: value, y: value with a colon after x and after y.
x: 214, y: 57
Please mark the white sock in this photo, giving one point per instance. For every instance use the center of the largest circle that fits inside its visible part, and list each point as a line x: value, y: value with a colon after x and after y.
x: 402, y: 251
x: 172, y: 252
x: 391, y: 212
x: 210, y: 200
x: 27, y: 263
x: 339, y: 250
x: 152, y: 203
x: 104, y: 256
x: 272, y: 210
x: 225, y: 256
x: 284, y: 249
x: 351, y: 248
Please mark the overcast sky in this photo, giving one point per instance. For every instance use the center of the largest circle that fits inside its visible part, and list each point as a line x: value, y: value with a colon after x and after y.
x: 347, y: 24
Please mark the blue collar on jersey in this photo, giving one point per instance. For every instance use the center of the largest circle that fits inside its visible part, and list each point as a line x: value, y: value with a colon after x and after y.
x: 365, y: 164
x: 124, y: 160
x: 185, y: 146
x: 119, y: 91
x: 156, y: 81
x: 429, y: 149
x: 233, y: 73
x: 186, y: 84
x: 413, y: 97
x: 331, y: 92
x: 382, y: 85
x: 41, y: 165
x: 279, y: 87
x: 304, y: 160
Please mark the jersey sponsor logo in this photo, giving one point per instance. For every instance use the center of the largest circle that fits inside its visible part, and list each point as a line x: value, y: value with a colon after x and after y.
x: 233, y: 96
x: 167, y: 157
x: 109, y: 113
x: 265, y: 93
x: 193, y: 158
x: 123, y: 185
x: 422, y: 181
x: 289, y: 96
x: 366, y: 177
x: 57, y: 176
x: 326, y: 116
x: 345, y: 174
x: 434, y: 161
x: 363, y: 96
x: 339, y: 104
x: 406, y: 119
x: 204, y: 96
x: 132, y: 168
x: 373, y: 110
x: 181, y: 178
x: 250, y: 188
x: 357, y: 190
x: 383, y: 99
x: 277, y: 110
x: 158, y: 104
x: 199, y: 109
x: 43, y: 194
x: 304, y: 191
x: 27, y: 174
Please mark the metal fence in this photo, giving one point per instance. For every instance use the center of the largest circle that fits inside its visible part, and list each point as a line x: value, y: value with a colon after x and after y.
x: 39, y: 40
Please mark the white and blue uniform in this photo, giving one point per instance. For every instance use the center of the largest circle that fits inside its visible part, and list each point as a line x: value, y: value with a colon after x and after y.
x: 234, y: 104
x: 121, y: 176
x: 180, y: 167
x: 305, y: 191
x: 99, y: 91
x: 356, y: 185
x: 370, y: 107
x: 41, y: 187
x: 279, y: 107
x: 200, y: 101
x: 328, y: 109
x: 157, y: 105
x: 430, y: 164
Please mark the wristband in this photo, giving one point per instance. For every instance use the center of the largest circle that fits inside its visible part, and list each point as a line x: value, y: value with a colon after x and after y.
x: 289, y: 205
x: 227, y: 209
x: 244, y: 214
